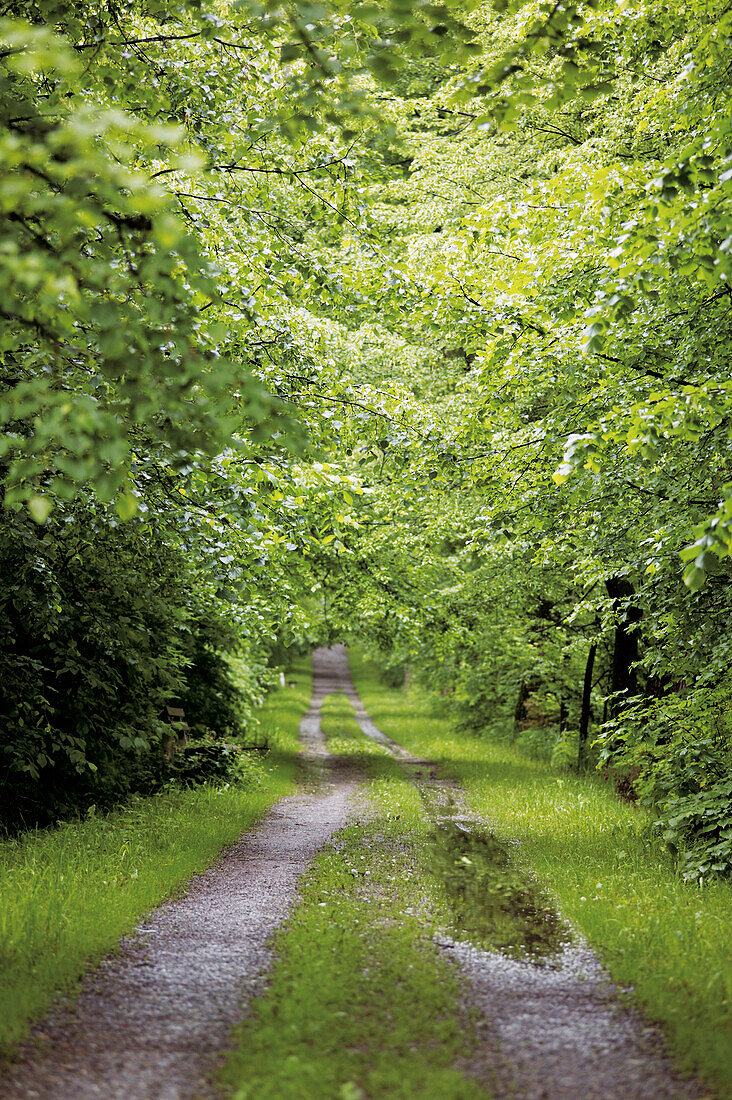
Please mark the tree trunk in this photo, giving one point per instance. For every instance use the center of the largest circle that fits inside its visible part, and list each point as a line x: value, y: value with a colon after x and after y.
x: 623, y: 676
x: 586, y: 707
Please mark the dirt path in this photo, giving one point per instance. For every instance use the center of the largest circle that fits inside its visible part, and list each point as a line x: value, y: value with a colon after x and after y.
x: 547, y: 1031
x: 151, y: 1021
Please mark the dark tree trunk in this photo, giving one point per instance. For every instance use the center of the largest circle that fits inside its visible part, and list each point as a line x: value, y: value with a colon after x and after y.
x: 584, y: 726
x: 625, y: 649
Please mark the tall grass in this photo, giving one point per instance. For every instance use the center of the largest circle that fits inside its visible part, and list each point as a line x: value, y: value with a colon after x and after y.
x: 669, y: 941
x: 67, y: 894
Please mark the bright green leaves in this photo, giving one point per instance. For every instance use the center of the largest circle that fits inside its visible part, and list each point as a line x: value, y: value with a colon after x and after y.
x: 555, y: 55
x: 581, y: 451
x: 126, y: 506
x: 593, y: 337
x: 103, y: 333
x: 39, y: 508
x: 713, y: 542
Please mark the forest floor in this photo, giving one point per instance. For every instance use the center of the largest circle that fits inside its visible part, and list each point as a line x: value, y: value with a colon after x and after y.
x: 382, y: 943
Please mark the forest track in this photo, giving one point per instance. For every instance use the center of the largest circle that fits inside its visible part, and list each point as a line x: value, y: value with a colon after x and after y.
x: 152, y: 1020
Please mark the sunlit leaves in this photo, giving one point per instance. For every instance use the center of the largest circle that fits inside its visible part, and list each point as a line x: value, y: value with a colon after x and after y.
x: 102, y: 328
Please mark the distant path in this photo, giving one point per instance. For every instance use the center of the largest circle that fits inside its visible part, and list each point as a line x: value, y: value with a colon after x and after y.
x: 151, y: 1021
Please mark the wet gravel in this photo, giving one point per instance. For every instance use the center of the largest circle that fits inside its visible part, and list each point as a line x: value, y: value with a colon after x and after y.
x: 151, y: 1022
x: 560, y: 1032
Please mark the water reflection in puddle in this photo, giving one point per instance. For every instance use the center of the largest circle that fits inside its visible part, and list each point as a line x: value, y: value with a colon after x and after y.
x: 490, y: 902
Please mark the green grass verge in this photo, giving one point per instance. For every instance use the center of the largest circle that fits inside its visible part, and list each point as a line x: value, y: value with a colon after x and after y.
x: 360, y: 1002
x: 668, y: 939
x: 67, y: 894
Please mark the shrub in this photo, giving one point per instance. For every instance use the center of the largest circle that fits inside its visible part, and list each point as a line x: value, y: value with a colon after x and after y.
x: 677, y: 750
x: 211, y: 762
x: 100, y: 627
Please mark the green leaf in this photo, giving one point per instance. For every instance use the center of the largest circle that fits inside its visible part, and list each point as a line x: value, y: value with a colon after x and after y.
x: 127, y: 506
x: 40, y: 508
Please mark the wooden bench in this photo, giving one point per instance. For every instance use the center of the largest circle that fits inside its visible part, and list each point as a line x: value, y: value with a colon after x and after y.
x: 177, y: 739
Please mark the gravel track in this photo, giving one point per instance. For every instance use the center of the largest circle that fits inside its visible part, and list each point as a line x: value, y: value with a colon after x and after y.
x: 151, y: 1022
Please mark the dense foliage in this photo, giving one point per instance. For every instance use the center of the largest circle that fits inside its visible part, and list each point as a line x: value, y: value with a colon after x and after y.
x: 403, y: 320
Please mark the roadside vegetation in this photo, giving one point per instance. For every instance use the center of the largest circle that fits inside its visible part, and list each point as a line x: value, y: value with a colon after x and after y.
x: 68, y: 893
x: 664, y: 938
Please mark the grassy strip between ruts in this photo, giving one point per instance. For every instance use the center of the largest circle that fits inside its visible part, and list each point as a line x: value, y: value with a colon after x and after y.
x: 360, y: 1001
x: 668, y: 939
x: 67, y: 894
x: 346, y: 739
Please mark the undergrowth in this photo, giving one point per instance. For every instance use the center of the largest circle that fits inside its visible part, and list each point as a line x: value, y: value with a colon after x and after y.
x: 666, y: 938
x: 67, y: 894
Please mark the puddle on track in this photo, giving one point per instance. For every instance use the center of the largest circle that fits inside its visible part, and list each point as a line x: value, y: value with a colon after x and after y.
x: 492, y: 904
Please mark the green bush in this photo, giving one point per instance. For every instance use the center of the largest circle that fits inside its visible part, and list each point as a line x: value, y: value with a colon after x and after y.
x: 211, y: 698
x: 211, y: 762
x: 700, y: 825
x: 565, y: 751
x: 101, y: 627
x: 393, y: 676
x: 675, y: 752
x: 537, y: 742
